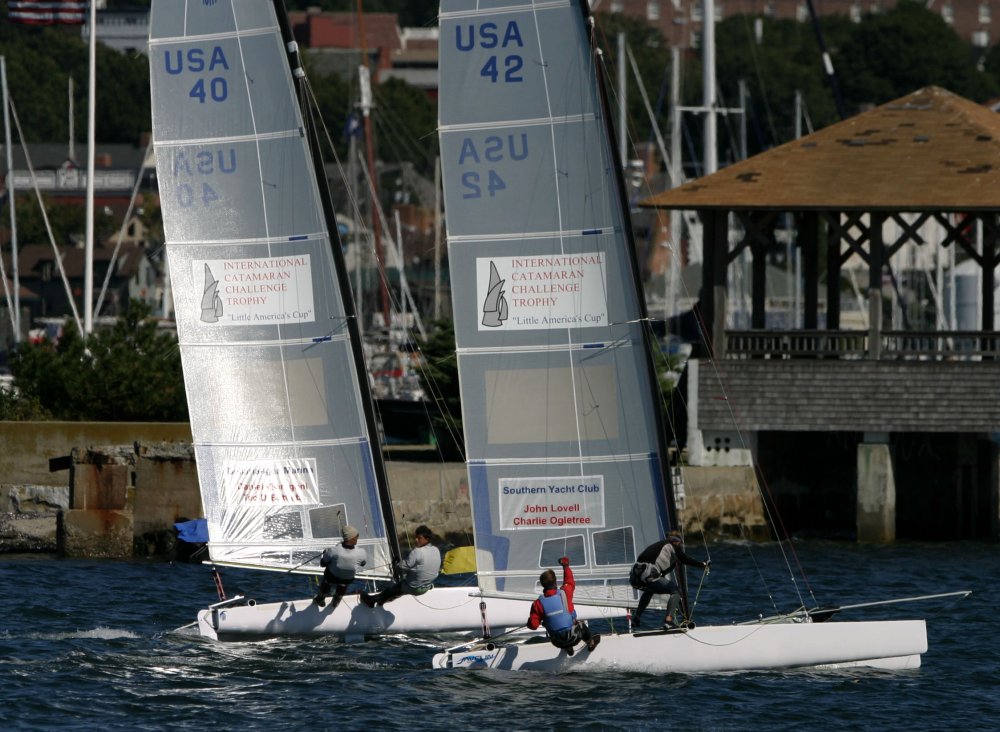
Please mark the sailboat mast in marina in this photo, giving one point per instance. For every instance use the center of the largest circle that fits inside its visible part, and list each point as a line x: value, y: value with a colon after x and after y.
x: 564, y: 439
x: 281, y: 413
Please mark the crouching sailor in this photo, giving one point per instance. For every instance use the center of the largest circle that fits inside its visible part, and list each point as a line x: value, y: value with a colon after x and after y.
x: 554, y: 610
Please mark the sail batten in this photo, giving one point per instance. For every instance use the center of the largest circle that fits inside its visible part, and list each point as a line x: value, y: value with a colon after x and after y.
x: 561, y: 435
x: 277, y: 400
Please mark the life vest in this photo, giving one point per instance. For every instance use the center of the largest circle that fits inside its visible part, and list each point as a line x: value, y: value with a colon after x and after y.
x: 557, y: 617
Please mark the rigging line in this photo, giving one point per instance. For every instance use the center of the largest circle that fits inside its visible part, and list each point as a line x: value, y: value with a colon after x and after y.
x: 762, y: 484
x: 559, y: 213
x: 768, y: 113
x: 45, y: 218
x: 121, y: 231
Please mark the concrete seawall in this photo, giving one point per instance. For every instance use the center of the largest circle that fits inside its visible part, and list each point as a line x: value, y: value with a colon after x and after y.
x: 116, y: 490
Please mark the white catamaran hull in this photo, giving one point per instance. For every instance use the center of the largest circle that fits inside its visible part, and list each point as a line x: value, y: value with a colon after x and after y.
x: 884, y: 644
x: 441, y: 610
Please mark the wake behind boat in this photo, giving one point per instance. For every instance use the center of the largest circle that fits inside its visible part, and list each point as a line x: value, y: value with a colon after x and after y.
x: 566, y: 443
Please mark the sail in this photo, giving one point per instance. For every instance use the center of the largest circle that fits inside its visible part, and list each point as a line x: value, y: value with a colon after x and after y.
x: 560, y: 418
x: 269, y: 351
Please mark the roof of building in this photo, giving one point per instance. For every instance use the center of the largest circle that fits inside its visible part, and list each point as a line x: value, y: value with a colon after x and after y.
x: 931, y: 150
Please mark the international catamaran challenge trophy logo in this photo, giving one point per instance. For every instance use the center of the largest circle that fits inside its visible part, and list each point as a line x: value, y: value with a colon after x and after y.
x: 495, y: 305
x: 211, y: 303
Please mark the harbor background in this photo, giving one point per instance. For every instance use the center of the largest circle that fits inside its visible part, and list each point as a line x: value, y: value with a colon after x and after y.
x: 115, y: 490
x: 91, y: 645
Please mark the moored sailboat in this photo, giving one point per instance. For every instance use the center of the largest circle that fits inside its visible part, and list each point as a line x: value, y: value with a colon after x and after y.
x: 281, y: 411
x: 566, y: 445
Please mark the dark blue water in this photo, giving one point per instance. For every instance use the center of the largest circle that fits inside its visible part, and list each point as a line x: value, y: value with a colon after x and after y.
x: 88, y: 645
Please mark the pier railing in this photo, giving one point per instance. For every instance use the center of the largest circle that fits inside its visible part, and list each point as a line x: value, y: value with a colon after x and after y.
x: 855, y: 344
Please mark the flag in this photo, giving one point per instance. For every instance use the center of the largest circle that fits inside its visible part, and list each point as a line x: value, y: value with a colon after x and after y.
x: 47, y: 12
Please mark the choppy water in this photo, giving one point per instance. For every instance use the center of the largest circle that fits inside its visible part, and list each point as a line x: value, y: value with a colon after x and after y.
x: 90, y: 645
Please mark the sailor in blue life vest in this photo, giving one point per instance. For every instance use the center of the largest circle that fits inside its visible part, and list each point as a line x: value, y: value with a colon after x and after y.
x: 652, y: 573
x: 554, y: 609
x: 340, y: 565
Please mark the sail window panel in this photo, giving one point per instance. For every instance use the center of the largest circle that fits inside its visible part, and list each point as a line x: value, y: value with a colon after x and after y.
x: 255, y: 292
x: 241, y: 190
x: 553, y: 291
x: 494, y: 68
x: 571, y: 547
x: 272, y: 394
x: 555, y: 404
x: 277, y: 498
x: 327, y: 521
x: 614, y: 547
x: 529, y: 514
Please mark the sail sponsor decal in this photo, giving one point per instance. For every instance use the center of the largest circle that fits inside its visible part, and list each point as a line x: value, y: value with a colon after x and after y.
x: 542, y: 291
x: 551, y: 503
x: 286, y: 482
x: 255, y: 291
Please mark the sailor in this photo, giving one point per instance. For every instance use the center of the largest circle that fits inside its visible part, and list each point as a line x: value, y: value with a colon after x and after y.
x: 419, y: 570
x: 554, y: 609
x: 341, y: 564
x: 652, y: 573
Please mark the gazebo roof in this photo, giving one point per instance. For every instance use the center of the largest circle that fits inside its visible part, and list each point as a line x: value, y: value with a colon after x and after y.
x: 931, y: 150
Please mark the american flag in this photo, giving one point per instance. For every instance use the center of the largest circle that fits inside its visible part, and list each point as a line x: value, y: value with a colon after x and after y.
x: 47, y: 12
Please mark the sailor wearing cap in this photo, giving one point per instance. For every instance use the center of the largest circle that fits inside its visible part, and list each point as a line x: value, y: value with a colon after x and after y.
x: 341, y: 563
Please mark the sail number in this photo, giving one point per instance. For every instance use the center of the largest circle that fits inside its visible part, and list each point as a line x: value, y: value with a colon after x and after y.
x: 489, y: 36
x: 492, y: 149
x: 206, y: 63
x: 191, y: 172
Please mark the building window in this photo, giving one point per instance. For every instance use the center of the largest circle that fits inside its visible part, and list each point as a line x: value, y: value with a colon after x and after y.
x: 985, y: 17
x: 981, y: 39
x: 876, y: 8
x: 653, y: 10
x: 769, y: 9
x: 696, y: 12
x: 948, y: 14
x: 719, y: 14
x: 617, y: 6
x: 855, y: 12
x: 801, y: 13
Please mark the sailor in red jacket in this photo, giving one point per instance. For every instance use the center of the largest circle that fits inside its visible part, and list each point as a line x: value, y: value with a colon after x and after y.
x: 554, y: 609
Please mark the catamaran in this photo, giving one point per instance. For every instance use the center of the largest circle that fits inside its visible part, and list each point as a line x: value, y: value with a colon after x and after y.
x: 284, y: 429
x: 567, y: 450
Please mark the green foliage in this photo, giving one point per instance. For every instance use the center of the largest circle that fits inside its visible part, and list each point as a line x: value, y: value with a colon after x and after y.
x: 652, y: 57
x: 909, y: 47
x: 66, y: 220
x: 406, y: 120
x: 40, y: 61
x: 129, y: 372
x: 440, y: 381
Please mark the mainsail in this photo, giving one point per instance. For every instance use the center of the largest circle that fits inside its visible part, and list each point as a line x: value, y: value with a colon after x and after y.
x: 563, y: 438
x: 280, y: 409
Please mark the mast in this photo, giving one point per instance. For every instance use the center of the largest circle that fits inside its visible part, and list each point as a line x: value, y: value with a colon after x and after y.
x: 16, y: 315
x: 343, y: 279
x: 88, y: 257
x: 366, y: 111
x: 616, y: 170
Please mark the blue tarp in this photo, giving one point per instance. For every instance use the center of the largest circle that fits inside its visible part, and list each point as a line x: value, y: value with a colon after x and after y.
x: 193, y: 532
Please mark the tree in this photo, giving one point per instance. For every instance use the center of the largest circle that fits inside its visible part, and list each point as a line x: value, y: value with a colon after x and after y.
x: 129, y: 372
x: 652, y: 57
x: 41, y: 59
x: 440, y: 381
x: 910, y: 47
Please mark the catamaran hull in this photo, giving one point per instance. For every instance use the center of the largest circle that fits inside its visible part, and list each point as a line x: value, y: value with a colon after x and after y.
x: 441, y: 610
x: 885, y: 644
